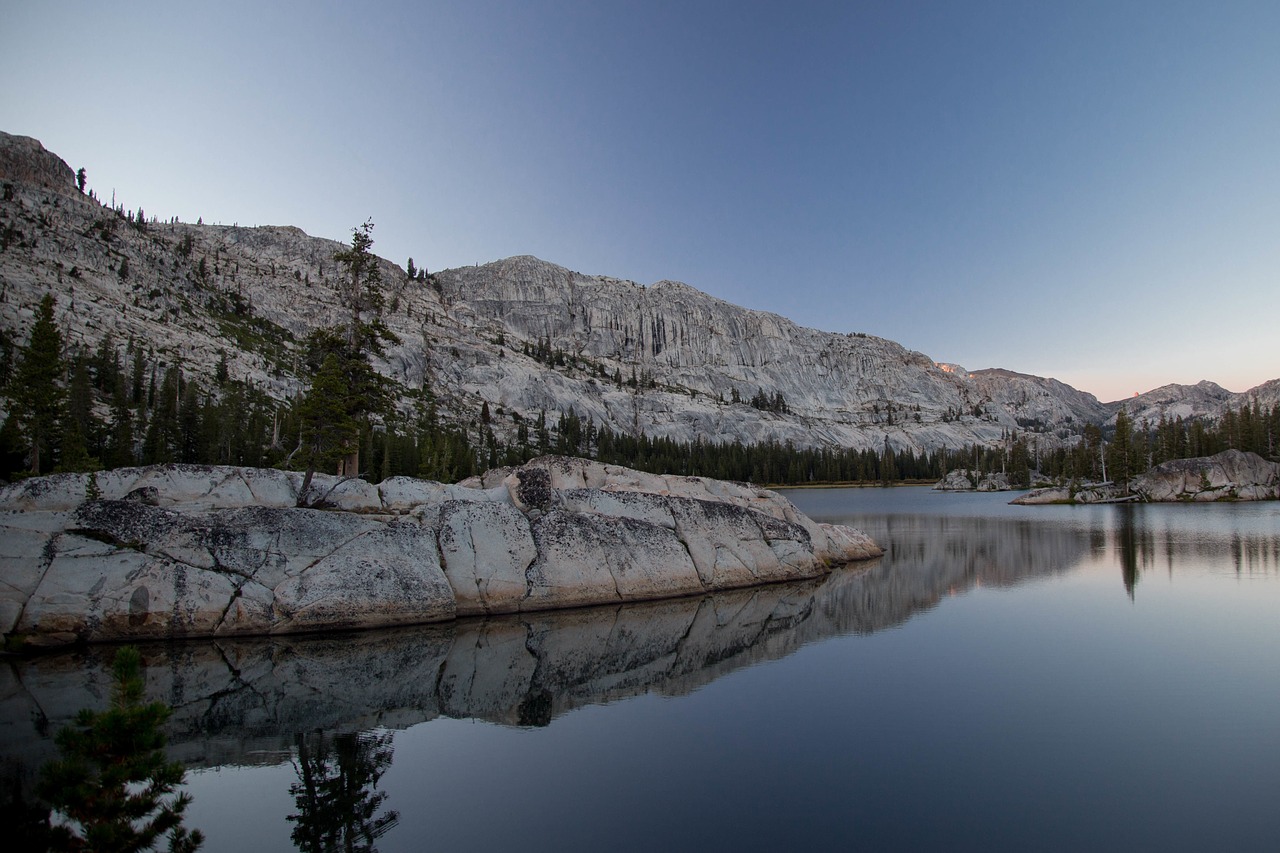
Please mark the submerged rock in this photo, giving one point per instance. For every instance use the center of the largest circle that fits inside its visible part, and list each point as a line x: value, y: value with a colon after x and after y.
x: 190, y: 550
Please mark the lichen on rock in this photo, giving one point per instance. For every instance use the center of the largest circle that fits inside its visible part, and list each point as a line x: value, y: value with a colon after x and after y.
x: 188, y: 550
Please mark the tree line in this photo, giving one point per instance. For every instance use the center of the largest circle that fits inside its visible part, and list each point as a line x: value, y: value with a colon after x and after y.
x: 73, y: 409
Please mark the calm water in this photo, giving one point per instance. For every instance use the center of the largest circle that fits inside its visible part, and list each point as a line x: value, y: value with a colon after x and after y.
x: 1005, y: 678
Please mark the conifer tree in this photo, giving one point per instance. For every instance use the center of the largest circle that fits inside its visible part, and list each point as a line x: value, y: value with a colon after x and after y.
x: 365, y: 393
x: 329, y: 431
x: 38, y: 395
x: 112, y: 788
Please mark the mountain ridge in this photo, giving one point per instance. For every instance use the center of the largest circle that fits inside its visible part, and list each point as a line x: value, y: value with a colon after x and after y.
x: 517, y: 336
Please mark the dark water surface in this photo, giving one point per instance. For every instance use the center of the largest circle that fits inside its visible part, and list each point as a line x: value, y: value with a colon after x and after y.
x: 1005, y: 678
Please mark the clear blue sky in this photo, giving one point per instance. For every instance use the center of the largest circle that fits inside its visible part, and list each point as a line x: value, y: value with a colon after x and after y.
x: 1084, y: 190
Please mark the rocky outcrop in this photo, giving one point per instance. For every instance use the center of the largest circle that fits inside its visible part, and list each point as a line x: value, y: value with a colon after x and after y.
x: 964, y: 480
x: 1232, y: 475
x: 184, y: 550
x: 28, y: 162
x: 245, y: 699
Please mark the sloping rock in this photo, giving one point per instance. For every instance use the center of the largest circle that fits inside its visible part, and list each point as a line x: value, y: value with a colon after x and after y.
x: 187, y: 550
x: 1231, y: 475
x: 1083, y: 493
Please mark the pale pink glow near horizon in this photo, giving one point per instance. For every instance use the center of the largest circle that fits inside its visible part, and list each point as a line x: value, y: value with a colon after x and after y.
x: 1087, y: 192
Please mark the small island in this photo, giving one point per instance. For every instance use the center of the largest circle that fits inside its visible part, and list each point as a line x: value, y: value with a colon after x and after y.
x: 1231, y: 475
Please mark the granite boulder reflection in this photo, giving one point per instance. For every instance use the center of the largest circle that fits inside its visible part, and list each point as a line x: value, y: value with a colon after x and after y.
x: 245, y: 701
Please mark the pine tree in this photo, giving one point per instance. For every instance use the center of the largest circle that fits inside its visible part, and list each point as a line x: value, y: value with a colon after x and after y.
x: 37, y: 392
x: 329, y: 431
x: 112, y: 788
x: 361, y: 294
x: 1120, y: 452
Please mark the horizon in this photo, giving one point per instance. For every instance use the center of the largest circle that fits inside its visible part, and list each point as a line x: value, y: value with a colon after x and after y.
x: 1084, y: 194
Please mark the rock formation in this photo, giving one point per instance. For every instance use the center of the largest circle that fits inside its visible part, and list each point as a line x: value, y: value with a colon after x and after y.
x: 964, y: 480
x: 182, y: 550
x: 194, y: 291
x: 1231, y: 475
x: 243, y: 699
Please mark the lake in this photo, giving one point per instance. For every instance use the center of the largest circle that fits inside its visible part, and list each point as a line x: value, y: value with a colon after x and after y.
x: 1004, y: 678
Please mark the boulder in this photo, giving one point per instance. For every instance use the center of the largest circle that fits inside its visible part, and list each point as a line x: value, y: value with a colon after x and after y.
x: 585, y: 558
x: 964, y: 480
x: 175, y: 551
x: 1231, y: 475
x: 485, y: 549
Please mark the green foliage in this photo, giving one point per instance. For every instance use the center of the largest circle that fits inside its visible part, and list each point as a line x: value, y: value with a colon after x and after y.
x: 6, y: 357
x: 361, y: 292
x: 254, y: 334
x: 329, y: 429
x: 112, y: 789
x: 774, y: 403
x: 345, y: 391
x: 36, y: 390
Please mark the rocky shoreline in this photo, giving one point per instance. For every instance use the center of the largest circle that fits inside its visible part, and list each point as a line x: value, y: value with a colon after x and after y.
x: 175, y: 551
x: 1231, y: 475
x: 964, y: 480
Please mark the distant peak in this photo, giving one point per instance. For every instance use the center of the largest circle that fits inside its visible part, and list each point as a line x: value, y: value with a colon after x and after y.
x: 24, y: 160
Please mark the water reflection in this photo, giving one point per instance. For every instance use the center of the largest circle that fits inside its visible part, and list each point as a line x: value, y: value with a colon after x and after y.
x: 1147, y: 536
x: 1132, y: 542
x: 325, y: 703
x: 339, y: 806
x: 244, y: 701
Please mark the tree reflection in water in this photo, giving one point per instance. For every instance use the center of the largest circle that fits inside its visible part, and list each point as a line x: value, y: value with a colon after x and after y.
x: 336, y: 792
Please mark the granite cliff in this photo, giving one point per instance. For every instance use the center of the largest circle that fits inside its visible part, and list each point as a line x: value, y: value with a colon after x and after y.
x: 665, y: 359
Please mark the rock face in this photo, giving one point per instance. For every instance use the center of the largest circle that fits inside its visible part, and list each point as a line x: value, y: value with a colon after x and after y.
x: 964, y: 480
x: 1037, y: 403
x: 182, y: 550
x: 1204, y: 399
x: 26, y: 161
x: 1228, y: 476
x: 193, y: 291
x: 664, y: 360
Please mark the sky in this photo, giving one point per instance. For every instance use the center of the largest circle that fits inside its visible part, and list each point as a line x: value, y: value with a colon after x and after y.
x: 1085, y: 190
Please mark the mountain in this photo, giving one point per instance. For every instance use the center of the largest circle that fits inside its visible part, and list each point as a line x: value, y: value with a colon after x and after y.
x: 521, y: 336
x: 1203, y: 400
